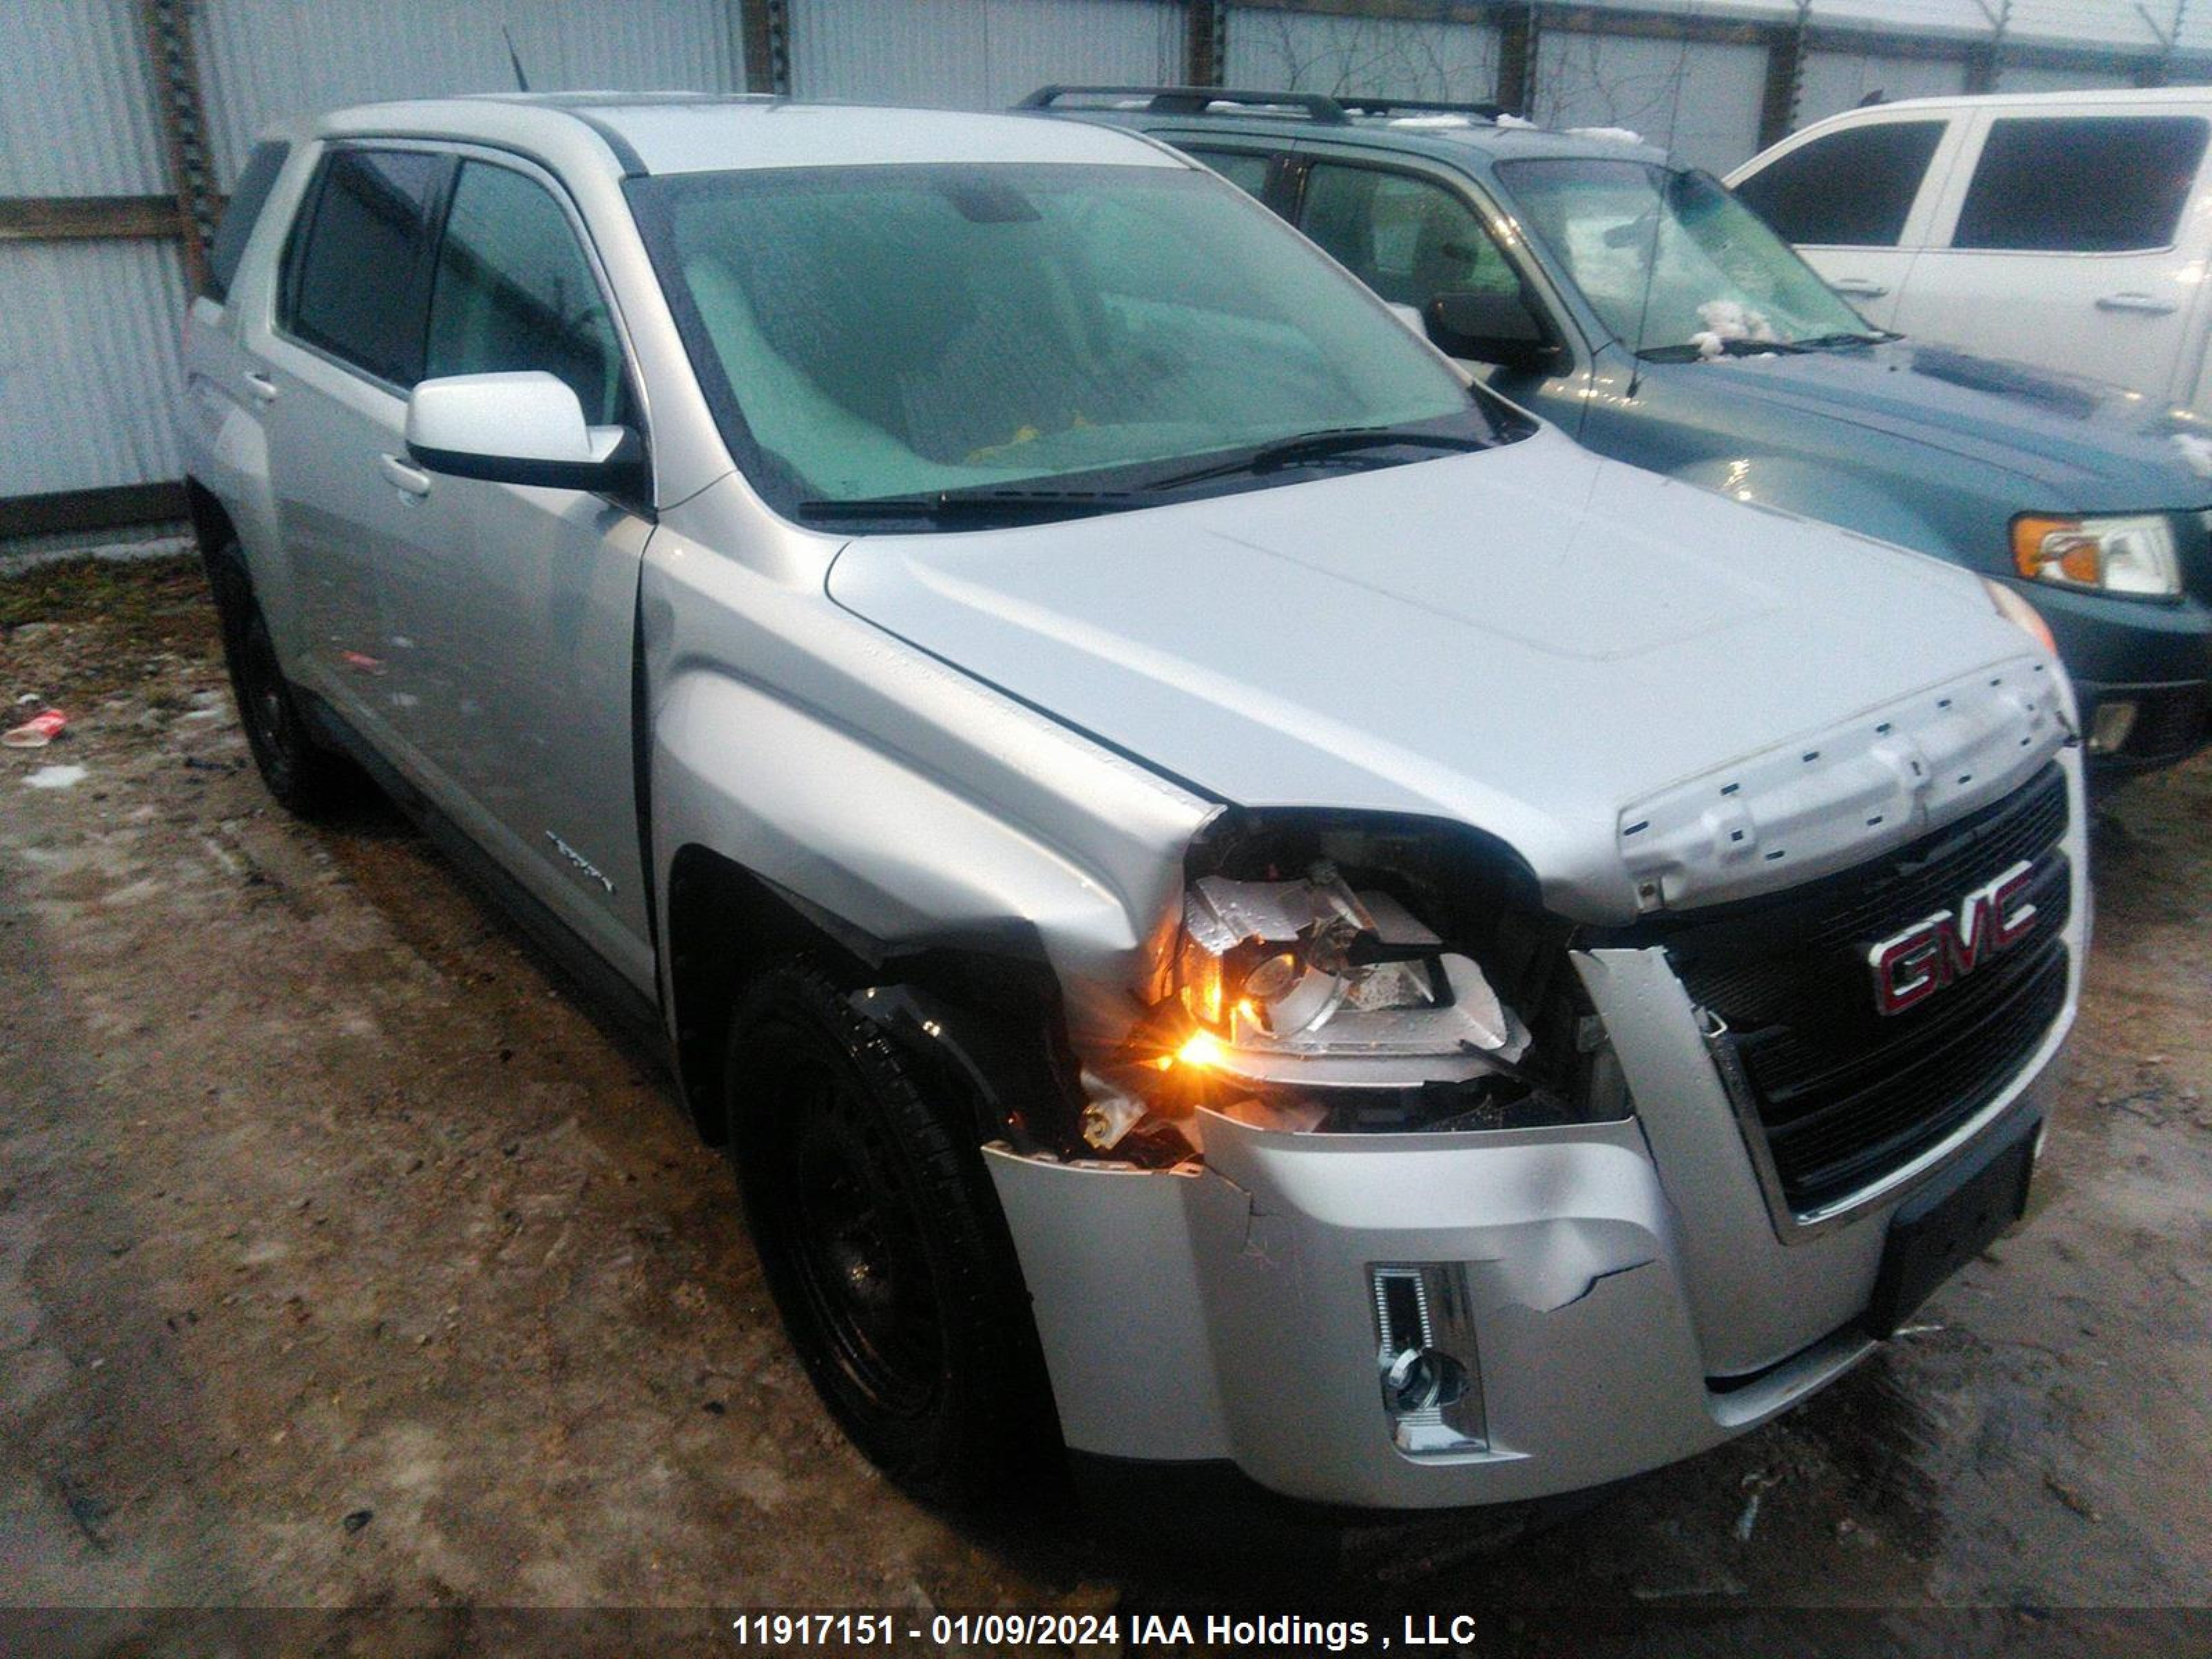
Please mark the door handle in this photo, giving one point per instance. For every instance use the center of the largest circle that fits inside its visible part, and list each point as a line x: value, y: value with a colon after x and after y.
x: 1859, y: 288
x: 402, y: 476
x: 2148, y: 303
x: 262, y: 388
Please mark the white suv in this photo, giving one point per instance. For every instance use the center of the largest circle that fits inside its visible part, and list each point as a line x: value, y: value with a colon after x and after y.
x: 2069, y: 230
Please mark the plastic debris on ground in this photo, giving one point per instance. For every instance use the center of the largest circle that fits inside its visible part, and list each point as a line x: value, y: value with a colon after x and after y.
x: 1748, y: 1520
x: 55, y: 777
x: 37, y: 731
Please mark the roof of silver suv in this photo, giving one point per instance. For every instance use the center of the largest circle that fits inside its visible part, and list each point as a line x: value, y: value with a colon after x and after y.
x: 692, y: 132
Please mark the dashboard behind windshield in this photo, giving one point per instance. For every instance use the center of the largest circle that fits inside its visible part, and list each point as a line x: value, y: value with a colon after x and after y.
x: 874, y: 333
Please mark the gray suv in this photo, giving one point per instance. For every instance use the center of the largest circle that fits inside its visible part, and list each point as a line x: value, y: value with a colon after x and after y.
x: 1244, y: 908
x: 1658, y: 320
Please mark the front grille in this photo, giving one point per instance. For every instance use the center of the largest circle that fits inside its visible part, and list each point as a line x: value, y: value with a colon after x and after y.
x: 1844, y: 1094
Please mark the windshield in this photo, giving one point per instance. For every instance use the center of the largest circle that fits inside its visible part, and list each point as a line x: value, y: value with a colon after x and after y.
x: 1672, y: 263
x: 902, y: 331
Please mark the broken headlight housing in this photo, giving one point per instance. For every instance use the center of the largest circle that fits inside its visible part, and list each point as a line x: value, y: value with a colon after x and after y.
x: 1312, y: 981
x: 1356, y: 972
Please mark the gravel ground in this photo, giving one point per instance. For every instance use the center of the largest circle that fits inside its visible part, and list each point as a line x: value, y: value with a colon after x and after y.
x: 347, y: 1262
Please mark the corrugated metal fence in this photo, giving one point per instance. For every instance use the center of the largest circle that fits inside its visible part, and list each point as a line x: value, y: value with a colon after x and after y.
x: 978, y: 54
x: 92, y: 272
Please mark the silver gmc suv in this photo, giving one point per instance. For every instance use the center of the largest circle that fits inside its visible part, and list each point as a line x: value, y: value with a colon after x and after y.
x: 1243, y: 907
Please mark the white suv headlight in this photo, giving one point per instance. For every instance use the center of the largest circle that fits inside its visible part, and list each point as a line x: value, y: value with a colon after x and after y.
x: 2133, y: 554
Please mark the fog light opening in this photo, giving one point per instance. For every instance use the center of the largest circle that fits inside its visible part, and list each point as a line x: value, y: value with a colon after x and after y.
x: 2112, y: 725
x: 1421, y: 1379
x: 1432, y: 1386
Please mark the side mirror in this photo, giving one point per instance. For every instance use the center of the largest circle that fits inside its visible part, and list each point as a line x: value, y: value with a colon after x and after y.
x: 525, y: 428
x: 1491, y: 328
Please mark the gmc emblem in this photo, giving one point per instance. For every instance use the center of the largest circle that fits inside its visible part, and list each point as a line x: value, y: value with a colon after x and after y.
x: 1910, y: 967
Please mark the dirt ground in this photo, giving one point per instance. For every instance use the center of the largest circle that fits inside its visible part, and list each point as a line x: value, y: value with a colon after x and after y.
x: 346, y: 1261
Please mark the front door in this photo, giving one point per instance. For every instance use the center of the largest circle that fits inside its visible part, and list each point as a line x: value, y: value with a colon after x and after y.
x: 1857, y: 202
x: 516, y: 605
x: 1411, y: 238
x: 2078, y: 243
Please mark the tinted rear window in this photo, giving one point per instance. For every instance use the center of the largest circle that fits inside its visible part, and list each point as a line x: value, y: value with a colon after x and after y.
x: 238, y: 219
x: 2081, y: 184
x: 358, y: 289
x: 1851, y: 189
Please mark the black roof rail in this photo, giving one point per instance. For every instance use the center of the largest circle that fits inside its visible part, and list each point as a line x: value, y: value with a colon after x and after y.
x: 1423, y: 106
x: 1195, y: 100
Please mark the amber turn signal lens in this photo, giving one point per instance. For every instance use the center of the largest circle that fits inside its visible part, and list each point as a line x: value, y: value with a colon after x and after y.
x: 2021, y: 614
x: 2044, y: 548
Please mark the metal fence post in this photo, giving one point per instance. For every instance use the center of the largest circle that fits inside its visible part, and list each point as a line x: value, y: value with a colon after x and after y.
x: 768, y: 47
x: 1516, y: 57
x: 1205, y: 43
x: 1785, y: 77
x: 183, y: 112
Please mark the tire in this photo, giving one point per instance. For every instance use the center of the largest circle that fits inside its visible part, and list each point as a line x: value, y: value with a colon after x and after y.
x: 884, y: 1245
x: 307, y: 780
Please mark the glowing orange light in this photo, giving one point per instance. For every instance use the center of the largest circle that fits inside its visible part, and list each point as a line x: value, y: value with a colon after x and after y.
x: 1201, y: 1048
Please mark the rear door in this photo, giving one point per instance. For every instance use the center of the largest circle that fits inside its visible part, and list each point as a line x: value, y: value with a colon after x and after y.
x: 2078, y: 242
x: 1857, y: 202
x: 333, y: 374
x: 516, y: 606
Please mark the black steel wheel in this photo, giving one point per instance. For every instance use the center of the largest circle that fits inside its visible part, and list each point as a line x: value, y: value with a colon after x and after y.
x: 306, y: 778
x: 881, y: 1243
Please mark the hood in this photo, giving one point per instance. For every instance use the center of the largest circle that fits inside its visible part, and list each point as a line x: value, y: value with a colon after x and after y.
x: 1530, y: 640
x: 2085, y: 445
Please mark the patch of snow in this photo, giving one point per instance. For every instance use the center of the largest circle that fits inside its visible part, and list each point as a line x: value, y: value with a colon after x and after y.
x: 1731, y: 319
x: 2196, y: 453
x: 1430, y: 123
x: 1606, y: 135
x: 55, y: 777
x: 1505, y: 121
x: 19, y: 555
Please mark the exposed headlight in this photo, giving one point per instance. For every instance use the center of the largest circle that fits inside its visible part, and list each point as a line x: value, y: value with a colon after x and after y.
x: 2022, y: 614
x: 1308, y: 980
x: 2133, y: 555
x: 1354, y: 973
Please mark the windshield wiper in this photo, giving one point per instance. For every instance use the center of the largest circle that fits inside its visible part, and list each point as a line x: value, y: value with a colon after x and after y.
x: 1848, y: 337
x: 1315, y: 449
x: 1017, y: 505
x: 1688, y: 351
x: 979, y: 507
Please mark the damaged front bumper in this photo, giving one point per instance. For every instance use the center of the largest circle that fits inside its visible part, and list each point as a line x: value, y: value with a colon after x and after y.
x: 1615, y: 1290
